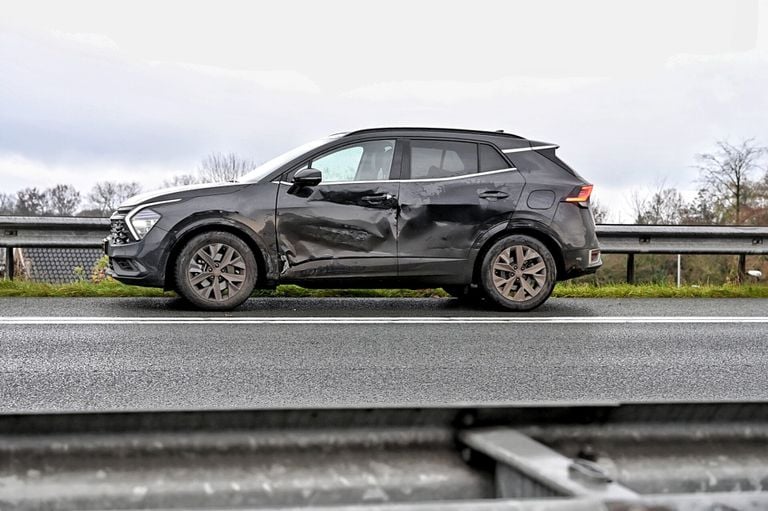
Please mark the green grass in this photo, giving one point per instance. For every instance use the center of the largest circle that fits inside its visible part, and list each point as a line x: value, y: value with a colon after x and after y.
x: 106, y: 288
x: 111, y: 288
x: 622, y: 290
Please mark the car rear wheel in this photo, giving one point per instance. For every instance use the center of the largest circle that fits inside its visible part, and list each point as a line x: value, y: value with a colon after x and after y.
x: 216, y: 271
x: 518, y: 273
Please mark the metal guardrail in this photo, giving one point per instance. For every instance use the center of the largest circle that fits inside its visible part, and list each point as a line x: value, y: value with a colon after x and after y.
x: 42, y: 231
x: 682, y: 239
x: 526, y: 458
x: 60, y: 232
x: 68, y: 232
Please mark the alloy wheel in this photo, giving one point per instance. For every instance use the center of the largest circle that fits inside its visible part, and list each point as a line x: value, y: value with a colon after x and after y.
x: 519, y: 273
x: 216, y: 272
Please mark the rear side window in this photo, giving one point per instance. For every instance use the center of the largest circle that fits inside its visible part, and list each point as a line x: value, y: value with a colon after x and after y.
x: 531, y: 162
x: 550, y: 155
x: 442, y: 158
x: 490, y: 159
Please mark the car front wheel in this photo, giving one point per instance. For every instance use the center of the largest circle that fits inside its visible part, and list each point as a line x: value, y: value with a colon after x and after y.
x: 518, y: 273
x: 216, y: 271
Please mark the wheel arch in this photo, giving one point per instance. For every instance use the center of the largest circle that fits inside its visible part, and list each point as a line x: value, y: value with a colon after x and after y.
x: 533, y: 229
x: 198, y: 226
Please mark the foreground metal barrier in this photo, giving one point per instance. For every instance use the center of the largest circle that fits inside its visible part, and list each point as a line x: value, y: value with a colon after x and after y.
x: 634, y: 456
x: 20, y: 232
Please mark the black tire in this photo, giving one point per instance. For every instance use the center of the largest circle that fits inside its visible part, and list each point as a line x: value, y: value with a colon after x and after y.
x: 203, y: 278
x: 518, y: 273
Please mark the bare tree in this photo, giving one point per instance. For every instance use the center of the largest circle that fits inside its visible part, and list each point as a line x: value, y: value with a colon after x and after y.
x: 91, y: 213
x: 664, y: 206
x: 30, y: 202
x: 599, y: 212
x: 221, y: 168
x: 726, y: 172
x: 7, y: 204
x: 180, y: 180
x: 105, y: 196
x: 701, y: 210
x: 62, y: 200
x: 127, y: 190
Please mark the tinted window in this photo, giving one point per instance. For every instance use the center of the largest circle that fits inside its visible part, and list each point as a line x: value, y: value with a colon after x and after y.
x: 437, y: 158
x: 365, y: 161
x: 550, y: 155
x: 490, y: 159
x: 530, y: 161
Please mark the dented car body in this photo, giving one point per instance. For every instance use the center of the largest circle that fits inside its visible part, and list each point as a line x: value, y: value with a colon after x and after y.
x: 388, y: 207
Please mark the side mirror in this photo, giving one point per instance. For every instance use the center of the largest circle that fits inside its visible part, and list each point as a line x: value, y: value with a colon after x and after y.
x: 307, y: 177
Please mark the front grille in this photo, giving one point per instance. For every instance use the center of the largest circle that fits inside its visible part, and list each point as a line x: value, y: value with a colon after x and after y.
x: 119, y: 233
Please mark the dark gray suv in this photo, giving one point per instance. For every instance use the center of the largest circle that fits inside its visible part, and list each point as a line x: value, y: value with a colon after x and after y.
x: 488, y: 216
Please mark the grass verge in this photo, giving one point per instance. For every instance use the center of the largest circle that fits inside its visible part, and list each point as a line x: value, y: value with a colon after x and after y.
x: 107, y: 288
x: 622, y: 290
x: 112, y: 288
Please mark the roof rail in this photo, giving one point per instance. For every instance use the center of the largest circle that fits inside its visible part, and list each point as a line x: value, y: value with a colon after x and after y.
x: 442, y: 130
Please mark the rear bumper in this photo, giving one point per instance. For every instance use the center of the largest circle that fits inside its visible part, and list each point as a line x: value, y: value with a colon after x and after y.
x: 580, y: 262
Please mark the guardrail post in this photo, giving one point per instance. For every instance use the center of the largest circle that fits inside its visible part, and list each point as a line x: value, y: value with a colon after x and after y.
x: 10, y: 264
x: 742, y: 267
x: 630, y: 268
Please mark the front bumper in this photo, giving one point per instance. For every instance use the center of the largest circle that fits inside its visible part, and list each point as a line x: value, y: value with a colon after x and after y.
x: 138, y: 263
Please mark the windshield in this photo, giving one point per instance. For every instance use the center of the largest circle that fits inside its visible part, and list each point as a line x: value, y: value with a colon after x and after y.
x: 275, y: 163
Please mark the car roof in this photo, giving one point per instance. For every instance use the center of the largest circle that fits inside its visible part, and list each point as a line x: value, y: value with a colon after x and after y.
x: 499, y: 138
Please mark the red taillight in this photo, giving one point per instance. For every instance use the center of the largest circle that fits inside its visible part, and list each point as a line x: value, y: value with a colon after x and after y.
x: 580, y: 194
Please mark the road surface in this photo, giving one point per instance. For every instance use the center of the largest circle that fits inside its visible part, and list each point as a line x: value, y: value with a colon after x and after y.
x: 147, y: 354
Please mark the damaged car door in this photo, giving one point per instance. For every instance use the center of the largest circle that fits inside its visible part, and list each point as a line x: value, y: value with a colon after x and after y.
x: 344, y: 226
x: 452, y: 191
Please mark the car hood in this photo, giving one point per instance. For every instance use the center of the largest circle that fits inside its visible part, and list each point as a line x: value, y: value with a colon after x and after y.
x: 182, y: 192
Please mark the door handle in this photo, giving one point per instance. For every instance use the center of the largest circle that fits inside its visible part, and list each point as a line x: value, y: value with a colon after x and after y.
x: 378, y: 198
x: 493, y: 195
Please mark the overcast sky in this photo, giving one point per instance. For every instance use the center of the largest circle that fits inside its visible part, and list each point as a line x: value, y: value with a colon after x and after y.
x: 143, y: 90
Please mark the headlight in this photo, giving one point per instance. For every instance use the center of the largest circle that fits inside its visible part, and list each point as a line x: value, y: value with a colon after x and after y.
x: 143, y: 221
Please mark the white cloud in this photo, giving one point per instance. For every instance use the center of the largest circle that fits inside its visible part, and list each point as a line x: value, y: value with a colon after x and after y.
x: 282, y: 80
x: 99, y: 41
x: 23, y: 171
x: 629, y: 95
x: 452, y: 91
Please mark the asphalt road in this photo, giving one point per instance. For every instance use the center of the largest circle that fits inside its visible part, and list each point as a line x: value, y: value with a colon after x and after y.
x: 129, y: 354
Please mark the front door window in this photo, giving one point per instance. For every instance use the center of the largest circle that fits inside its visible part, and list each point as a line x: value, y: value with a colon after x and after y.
x: 364, y: 161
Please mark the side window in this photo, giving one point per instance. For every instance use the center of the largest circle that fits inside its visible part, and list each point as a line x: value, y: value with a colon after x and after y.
x: 530, y: 161
x: 490, y: 159
x: 365, y: 161
x: 441, y: 158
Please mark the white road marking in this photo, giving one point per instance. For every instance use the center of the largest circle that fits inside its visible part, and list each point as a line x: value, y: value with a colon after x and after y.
x: 351, y: 320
